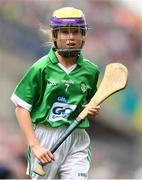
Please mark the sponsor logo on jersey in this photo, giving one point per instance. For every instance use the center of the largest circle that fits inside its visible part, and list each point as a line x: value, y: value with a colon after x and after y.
x: 62, y: 99
x: 61, y: 110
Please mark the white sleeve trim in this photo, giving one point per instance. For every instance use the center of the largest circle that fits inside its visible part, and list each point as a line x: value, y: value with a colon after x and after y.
x: 18, y: 101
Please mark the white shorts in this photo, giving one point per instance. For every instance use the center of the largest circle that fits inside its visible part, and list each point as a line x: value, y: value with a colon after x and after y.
x: 72, y: 158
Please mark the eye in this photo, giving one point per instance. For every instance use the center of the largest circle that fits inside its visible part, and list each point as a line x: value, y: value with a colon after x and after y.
x: 75, y: 31
x: 65, y: 31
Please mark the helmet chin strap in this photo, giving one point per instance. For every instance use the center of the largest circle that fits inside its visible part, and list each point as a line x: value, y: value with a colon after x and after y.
x: 69, y: 52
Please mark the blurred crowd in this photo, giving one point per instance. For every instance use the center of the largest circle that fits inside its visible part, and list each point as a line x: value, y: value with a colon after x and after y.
x: 114, y: 35
x: 115, y: 30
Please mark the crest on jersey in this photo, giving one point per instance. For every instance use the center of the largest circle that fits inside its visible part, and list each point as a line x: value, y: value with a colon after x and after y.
x: 83, y: 87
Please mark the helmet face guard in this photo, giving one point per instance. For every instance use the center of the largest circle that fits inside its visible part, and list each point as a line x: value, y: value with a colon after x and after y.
x: 68, y: 18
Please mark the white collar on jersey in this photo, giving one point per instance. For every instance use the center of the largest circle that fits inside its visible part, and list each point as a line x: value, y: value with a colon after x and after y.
x: 67, y: 70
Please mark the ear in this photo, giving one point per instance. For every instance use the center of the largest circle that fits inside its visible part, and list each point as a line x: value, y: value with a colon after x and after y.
x: 54, y: 39
x: 54, y: 34
x: 83, y: 38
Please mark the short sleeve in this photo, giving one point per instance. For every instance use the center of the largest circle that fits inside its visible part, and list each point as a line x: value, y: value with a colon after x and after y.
x: 27, y: 89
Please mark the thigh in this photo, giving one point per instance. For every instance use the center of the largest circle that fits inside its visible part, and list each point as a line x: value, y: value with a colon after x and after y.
x: 75, y: 169
x: 77, y: 163
x: 47, y: 137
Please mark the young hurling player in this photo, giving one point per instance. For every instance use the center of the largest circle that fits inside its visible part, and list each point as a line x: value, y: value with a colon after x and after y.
x: 51, y: 95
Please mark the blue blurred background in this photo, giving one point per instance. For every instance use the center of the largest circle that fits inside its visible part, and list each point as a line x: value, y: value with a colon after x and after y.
x: 115, y: 36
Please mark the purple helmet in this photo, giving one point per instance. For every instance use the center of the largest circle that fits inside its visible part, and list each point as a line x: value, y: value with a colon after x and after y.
x: 68, y: 16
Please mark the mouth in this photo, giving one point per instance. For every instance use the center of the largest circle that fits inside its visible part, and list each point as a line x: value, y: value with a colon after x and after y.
x: 71, y: 45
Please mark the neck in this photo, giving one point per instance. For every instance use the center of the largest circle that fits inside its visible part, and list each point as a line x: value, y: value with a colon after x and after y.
x: 66, y: 62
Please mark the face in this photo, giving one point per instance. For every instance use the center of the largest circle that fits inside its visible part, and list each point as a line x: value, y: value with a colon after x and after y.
x: 69, y: 38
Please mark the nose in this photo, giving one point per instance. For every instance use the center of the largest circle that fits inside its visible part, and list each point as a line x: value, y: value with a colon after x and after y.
x: 71, y: 35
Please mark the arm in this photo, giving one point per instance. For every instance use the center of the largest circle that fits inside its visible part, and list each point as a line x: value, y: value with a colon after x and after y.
x: 25, y: 123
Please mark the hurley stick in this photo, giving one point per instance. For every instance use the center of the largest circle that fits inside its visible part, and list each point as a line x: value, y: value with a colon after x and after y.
x: 114, y: 80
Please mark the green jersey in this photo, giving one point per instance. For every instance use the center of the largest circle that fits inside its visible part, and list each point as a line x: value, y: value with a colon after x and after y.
x: 53, y: 95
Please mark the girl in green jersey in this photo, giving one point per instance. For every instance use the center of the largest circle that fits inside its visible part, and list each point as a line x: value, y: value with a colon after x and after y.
x: 51, y: 95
